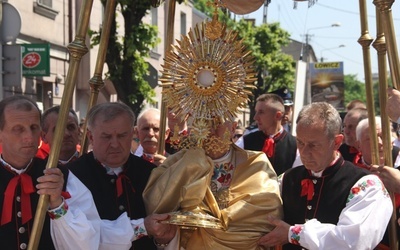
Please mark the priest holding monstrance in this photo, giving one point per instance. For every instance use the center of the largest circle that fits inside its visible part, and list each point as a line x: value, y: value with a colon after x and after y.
x: 218, y: 194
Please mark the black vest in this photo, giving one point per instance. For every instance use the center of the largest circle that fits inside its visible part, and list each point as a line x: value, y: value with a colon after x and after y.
x: 285, y: 149
x: 104, y: 191
x: 330, y: 194
x: 15, y: 234
x: 344, y: 150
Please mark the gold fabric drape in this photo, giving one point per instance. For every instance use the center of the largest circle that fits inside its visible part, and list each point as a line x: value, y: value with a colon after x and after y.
x: 181, y: 182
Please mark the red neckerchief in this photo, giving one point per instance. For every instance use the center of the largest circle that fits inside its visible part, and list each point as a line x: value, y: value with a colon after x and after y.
x: 119, y: 186
x: 269, y: 144
x: 357, y: 158
x: 110, y: 171
x: 27, y: 188
x: 307, y: 188
x: 148, y: 157
x: 43, y: 150
x: 121, y: 176
x: 307, y: 185
x: 359, y: 162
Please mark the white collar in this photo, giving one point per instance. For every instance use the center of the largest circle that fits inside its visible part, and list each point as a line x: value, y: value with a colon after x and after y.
x: 18, y: 171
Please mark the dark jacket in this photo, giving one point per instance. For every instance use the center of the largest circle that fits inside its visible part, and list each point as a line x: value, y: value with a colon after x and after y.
x: 284, y: 153
x: 15, y: 234
x: 103, y: 187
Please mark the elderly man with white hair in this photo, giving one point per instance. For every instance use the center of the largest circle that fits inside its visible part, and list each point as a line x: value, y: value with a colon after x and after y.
x: 148, y: 131
x: 363, y: 138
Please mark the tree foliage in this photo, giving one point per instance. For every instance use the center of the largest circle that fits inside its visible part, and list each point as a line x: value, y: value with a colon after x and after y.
x: 203, y: 6
x: 275, y: 67
x: 354, y: 89
x: 126, y: 53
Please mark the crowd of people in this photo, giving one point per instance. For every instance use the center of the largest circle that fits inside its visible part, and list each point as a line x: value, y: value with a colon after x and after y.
x: 266, y: 188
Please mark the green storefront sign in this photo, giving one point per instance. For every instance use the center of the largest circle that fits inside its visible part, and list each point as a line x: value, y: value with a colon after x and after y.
x: 36, y: 59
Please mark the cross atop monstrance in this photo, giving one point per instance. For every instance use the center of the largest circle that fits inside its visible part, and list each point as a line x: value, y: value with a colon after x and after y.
x: 217, y: 4
x: 214, y: 28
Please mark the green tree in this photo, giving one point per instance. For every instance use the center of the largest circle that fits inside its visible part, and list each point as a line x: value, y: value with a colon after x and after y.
x: 203, y: 6
x: 126, y: 54
x: 274, y: 68
x: 353, y: 89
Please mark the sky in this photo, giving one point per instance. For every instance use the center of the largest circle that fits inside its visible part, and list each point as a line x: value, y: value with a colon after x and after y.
x: 332, y: 43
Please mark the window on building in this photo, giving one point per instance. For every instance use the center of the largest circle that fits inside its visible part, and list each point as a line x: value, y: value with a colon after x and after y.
x: 48, y: 3
x: 39, y: 92
x: 44, y: 94
x: 154, y: 21
x: 45, y: 8
x: 154, y: 16
x: 183, y: 24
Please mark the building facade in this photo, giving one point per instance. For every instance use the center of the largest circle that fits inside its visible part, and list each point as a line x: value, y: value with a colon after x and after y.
x: 54, y: 22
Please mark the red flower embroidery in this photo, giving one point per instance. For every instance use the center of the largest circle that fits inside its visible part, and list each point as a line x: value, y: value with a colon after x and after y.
x: 295, y: 237
x: 355, y: 190
x: 221, y: 179
x: 52, y: 216
x: 297, y: 229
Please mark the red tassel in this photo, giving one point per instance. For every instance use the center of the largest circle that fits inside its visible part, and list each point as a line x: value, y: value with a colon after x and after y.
x: 9, y: 196
x: 307, y: 188
x: 269, y: 147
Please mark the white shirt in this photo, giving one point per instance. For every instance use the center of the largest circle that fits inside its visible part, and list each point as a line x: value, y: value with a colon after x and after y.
x: 396, y: 142
x: 362, y: 223
x: 82, y: 228
x: 139, y: 151
x: 79, y: 228
x: 120, y: 233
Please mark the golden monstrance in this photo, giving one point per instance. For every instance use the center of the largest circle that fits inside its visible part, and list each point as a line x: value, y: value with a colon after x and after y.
x: 206, y: 78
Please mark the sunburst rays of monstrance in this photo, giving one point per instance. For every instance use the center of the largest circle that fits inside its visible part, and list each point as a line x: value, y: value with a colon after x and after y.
x: 208, y: 76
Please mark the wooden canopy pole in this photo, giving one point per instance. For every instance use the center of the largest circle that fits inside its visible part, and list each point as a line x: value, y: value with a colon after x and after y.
x: 168, y: 42
x: 76, y: 49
